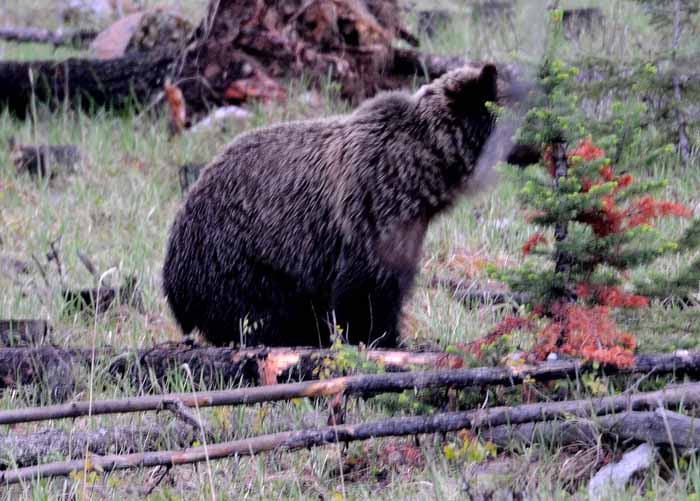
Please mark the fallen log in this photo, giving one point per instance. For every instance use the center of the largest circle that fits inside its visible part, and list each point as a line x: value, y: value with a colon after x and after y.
x: 214, y: 367
x: 474, y: 296
x: 84, y: 83
x: 100, y: 299
x: 42, y: 160
x: 660, y: 427
x: 359, y: 385
x: 23, y: 332
x: 686, y: 396
x: 210, y: 367
x: 78, y: 39
x: 17, y: 450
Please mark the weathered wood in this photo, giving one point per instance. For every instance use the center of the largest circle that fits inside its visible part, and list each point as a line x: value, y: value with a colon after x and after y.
x: 288, y: 441
x: 50, y: 367
x: 240, y: 52
x: 409, y: 62
x: 100, y: 299
x: 211, y: 367
x: 42, y: 160
x: 660, y: 427
x: 267, y: 366
x: 17, y: 450
x: 78, y: 39
x: 214, y: 367
x: 685, y: 396
x: 86, y: 83
x: 474, y: 296
x: 359, y: 385
x: 581, y: 20
x: 23, y: 332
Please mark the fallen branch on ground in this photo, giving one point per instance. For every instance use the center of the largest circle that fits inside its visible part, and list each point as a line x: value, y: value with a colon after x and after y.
x: 211, y: 367
x: 684, y: 395
x: 23, y: 331
x: 241, y: 52
x: 660, y: 427
x: 217, y: 367
x: 17, y: 450
x: 359, y: 385
x: 473, y: 296
x: 45, y: 159
x: 77, y: 39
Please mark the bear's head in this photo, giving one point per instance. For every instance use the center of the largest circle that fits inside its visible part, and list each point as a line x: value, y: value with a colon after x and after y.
x: 455, y: 108
x: 459, y: 98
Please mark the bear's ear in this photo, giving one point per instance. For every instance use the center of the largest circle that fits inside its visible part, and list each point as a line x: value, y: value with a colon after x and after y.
x: 468, y: 95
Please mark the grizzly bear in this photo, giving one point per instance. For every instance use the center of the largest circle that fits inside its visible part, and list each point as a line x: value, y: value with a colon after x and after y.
x: 307, y: 228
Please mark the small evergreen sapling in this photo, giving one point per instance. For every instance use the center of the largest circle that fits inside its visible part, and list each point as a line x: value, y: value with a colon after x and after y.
x: 603, y: 223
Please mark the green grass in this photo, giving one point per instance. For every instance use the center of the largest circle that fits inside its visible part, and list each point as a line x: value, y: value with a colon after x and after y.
x: 117, y: 209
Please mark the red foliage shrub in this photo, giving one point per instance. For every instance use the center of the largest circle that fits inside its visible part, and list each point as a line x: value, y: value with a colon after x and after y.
x: 613, y: 297
x: 587, y: 332
x: 533, y: 242
x: 506, y: 326
x: 587, y: 150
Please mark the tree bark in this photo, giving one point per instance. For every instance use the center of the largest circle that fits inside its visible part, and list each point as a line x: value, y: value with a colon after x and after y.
x: 78, y: 39
x: 660, y: 427
x: 18, y: 450
x: 23, y: 332
x: 359, y: 385
x: 213, y: 367
x: 85, y: 83
x: 472, y: 296
x: 684, y: 396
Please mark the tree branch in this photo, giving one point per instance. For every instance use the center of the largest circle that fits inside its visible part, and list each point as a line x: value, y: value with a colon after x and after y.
x: 77, y: 39
x: 360, y: 385
x: 685, y: 395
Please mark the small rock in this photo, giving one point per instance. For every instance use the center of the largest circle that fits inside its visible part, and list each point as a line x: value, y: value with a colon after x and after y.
x: 220, y: 114
x: 615, y: 476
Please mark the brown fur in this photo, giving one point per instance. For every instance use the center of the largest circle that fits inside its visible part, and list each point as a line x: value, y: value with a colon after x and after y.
x: 303, y: 226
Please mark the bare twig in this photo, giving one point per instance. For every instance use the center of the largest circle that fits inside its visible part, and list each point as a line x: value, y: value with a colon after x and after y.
x: 54, y: 255
x: 686, y: 396
x: 182, y: 412
x: 56, y: 38
x: 154, y: 480
x: 42, y: 271
x: 89, y: 266
x: 472, y: 295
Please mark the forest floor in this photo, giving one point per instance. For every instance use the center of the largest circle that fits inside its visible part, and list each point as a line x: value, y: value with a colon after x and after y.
x: 117, y: 209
